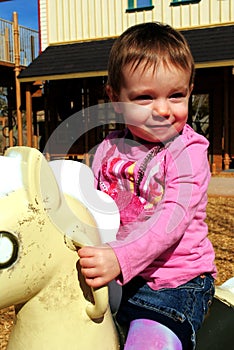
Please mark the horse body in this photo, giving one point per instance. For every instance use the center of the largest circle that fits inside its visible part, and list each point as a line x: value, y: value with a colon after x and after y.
x: 56, y: 317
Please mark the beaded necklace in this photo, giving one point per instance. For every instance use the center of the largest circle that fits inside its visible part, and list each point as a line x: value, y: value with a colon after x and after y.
x: 144, y: 164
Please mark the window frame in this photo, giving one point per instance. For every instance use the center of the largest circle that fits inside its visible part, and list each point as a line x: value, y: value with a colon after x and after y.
x: 133, y: 6
x: 183, y: 2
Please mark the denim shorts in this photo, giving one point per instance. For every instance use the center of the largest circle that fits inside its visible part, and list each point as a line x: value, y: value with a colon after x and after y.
x: 181, y: 309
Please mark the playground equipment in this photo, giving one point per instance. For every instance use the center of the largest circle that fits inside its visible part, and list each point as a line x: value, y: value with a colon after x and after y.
x: 39, y: 273
x: 47, y: 210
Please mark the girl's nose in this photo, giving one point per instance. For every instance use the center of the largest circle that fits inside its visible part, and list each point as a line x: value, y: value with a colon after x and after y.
x: 161, y: 108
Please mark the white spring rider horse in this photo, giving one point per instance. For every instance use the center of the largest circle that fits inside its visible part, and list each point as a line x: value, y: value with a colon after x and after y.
x: 46, y: 211
x: 39, y: 273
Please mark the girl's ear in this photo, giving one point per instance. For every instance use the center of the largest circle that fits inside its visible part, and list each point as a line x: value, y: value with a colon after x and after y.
x: 114, y: 98
x: 191, y: 89
x: 111, y: 94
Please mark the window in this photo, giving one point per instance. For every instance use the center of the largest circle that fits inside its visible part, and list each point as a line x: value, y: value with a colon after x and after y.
x: 139, y: 5
x: 183, y: 2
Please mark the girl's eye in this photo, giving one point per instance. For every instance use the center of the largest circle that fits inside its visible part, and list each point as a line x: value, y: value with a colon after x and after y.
x: 177, y: 95
x: 143, y: 97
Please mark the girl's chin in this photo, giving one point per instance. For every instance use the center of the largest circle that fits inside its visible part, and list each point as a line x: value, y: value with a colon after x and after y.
x: 154, y: 138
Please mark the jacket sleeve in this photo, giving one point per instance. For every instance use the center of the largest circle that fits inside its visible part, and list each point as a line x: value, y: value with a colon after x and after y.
x: 187, y: 176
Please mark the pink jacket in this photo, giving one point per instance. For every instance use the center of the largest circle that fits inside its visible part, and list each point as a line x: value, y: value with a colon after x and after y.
x: 163, y: 234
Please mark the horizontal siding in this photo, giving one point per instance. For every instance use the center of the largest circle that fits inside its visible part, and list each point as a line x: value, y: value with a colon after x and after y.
x: 76, y: 20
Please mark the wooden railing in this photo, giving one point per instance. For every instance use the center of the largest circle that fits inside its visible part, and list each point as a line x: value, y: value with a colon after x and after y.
x: 28, y: 42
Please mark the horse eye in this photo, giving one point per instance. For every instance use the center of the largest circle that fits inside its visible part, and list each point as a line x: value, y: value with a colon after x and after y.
x: 9, y: 247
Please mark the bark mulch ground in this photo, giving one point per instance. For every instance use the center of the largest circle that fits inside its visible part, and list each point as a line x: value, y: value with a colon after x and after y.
x: 220, y: 219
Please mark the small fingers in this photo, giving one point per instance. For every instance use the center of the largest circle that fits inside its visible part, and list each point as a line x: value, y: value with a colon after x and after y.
x: 87, y: 263
x: 95, y: 282
x: 85, y: 252
x: 89, y: 272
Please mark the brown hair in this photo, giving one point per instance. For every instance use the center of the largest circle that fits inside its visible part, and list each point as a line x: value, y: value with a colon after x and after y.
x: 151, y: 43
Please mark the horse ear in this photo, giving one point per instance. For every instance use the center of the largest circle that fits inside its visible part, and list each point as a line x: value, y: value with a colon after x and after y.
x: 37, y: 177
x: 77, y: 181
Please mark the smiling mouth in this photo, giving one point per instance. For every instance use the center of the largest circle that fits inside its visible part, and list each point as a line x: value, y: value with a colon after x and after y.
x: 159, y: 126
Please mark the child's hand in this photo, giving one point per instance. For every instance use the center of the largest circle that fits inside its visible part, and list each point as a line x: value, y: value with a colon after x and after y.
x: 99, y: 265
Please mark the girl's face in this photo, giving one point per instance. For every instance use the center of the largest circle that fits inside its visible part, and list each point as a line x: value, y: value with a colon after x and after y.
x: 154, y: 102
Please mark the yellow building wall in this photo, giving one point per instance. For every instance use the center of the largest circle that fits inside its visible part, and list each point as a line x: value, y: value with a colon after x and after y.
x: 76, y: 20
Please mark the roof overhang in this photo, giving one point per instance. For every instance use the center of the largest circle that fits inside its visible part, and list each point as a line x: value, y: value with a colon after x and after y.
x: 64, y: 76
x: 211, y: 47
x: 69, y: 61
x: 215, y: 64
